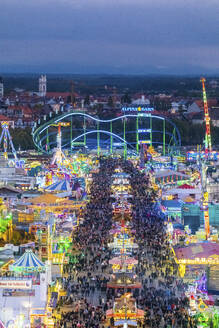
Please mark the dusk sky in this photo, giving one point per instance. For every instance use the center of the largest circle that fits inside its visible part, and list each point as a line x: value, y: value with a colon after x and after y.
x: 109, y: 36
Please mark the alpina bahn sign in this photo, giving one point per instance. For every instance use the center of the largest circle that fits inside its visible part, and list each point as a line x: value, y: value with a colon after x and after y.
x: 137, y: 109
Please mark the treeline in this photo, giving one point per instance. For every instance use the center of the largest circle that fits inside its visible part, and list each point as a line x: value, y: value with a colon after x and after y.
x: 194, y: 134
x: 102, y: 84
x: 21, y: 138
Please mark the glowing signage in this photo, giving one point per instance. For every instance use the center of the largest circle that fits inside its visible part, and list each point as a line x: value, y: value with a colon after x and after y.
x: 145, y: 141
x: 16, y: 284
x: 117, y: 144
x: 144, y: 114
x: 137, y: 109
x: 144, y: 130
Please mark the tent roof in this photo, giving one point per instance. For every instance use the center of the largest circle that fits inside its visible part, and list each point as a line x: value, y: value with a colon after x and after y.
x: 5, y: 188
x: 61, y: 185
x: 127, y: 261
x: 29, y: 261
x: 189, y: 199
x: 167, y: 173
x: 186, y: 186
x: 198, y: 250
x: 171, y: 203
x: 181, y: 191
x: 45, y: 198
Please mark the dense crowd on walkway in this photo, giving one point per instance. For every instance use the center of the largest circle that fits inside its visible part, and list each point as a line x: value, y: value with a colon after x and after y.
x: 162, y: 293
x: 86, y: 280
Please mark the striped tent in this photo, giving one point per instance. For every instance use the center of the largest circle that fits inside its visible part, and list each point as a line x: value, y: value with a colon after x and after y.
x: 28, y: 262
x: 1, y: 324
x: 61, y: 185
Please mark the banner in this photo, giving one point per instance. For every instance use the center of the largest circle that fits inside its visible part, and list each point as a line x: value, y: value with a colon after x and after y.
x: 18, y: 292
x: 16, y: 284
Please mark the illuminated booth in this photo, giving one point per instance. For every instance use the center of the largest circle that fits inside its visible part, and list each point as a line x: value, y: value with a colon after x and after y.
x: 125, y: 309
x: 124, y: 280
x: 206, y: 254
x: 24, y: 290
x: 173, y: 208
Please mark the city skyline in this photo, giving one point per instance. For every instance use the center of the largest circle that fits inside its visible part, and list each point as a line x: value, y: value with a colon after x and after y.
x: 144, y: 37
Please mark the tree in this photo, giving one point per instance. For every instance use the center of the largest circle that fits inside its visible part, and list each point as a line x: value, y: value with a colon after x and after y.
x: 22, y: 138
x: 87, y: 100
x: 110, y: 102
x: 99, y: 109
x: 181, y: 108
x: 126, y: 99
x: 68, y: 99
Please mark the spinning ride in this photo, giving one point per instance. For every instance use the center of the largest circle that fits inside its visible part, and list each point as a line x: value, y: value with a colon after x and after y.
x: 7, y: 140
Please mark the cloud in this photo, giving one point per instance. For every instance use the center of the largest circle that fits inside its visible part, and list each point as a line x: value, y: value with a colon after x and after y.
x: 109, y: 32
x: 92, y: 53
x: 123, y: 21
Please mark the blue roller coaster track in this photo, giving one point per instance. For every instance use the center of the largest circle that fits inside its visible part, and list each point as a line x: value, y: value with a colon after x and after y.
x: 126, y: 131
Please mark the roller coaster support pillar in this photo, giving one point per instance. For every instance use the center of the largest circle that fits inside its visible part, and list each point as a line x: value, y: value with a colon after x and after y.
x: 111, y: 137
x: 47, y: 139
x: 137, y: 136
x: 150, y: 131
x: 164, y: 137
x: 98, y: 139
x: 71, y: 134
x: 84, y: 127
x: 124, y: 137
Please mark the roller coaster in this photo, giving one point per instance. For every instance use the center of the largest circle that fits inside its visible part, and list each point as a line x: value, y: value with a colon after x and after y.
x: 126, y: 132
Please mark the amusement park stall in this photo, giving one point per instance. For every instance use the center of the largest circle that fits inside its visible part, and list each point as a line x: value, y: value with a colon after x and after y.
x: 23, y: 291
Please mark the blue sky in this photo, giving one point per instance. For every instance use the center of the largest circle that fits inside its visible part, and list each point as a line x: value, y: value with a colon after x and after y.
x: 109, y: 36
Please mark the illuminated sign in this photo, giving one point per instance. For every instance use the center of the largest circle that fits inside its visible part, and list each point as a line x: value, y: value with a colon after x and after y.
x: 137, y: 109
x: 144, y: 130
x: 78, y: 143
x: 144, y: 114
x: 16, y: 284
x: 145, y: 141
x: 117, y: 144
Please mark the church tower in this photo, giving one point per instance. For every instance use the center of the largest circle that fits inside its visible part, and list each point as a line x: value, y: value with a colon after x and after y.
x: 42, y: 86
x: 1, y: 88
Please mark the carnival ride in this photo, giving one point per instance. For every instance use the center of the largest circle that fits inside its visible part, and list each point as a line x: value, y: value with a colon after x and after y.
x: 208, y: 147
x: 207, y: 154
x: 58, y: 156
x: 7, y: 141
x: 201, y: 157
x: 126, y: 132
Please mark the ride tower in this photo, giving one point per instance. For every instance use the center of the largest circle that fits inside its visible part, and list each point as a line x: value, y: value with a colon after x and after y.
x: 58, y: 156
x: 208, y: 146
x: 205, y: 199
x: 7, y: 140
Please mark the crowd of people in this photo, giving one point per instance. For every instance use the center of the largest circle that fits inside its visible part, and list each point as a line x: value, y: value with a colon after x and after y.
x: 162, y: 293
x: 86, y: 280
